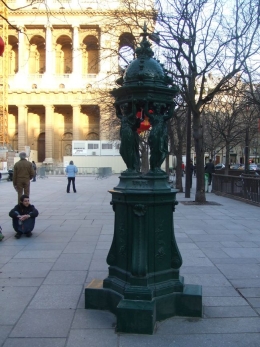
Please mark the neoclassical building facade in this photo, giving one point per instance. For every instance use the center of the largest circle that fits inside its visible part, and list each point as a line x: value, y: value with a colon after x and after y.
x: 61, y: 59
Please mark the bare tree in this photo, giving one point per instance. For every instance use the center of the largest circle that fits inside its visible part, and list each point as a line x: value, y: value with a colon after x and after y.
x: 223, y: 119
x: 203, y: 36
x: 232, y: 120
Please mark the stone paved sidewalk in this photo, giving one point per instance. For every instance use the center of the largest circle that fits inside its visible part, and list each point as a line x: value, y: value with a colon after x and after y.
x: 42, y: 278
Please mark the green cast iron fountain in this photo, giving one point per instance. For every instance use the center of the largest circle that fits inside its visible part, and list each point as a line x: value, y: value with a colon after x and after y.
x: 144, y: 284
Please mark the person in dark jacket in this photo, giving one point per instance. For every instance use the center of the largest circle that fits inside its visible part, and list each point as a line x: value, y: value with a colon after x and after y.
x: 23, y: 216
x: 23, y: 173
x: 71, y: 171
x: 210, y: 169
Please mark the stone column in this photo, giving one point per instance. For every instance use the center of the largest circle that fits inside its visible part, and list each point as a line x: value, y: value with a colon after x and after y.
x: 22, y: 127
x: 76, y: 122
x: 76, y: 52
x: 21, y: 50
x: 48, y: 51
x: 49, y: 134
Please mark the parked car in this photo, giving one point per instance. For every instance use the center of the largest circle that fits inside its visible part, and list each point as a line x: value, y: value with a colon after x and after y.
x: 253, y: 167
x: 235, y: 166
x: 219, y: 166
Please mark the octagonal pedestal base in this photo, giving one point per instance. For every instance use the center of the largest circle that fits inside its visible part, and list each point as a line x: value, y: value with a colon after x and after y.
x: 140, y: 316
x: 144, y: 283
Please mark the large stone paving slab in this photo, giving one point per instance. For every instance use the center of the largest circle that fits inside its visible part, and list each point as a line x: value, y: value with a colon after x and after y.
x: 66, y: 277
x: 192, y: 340
x: 13, y: 301
x: 72, y: 262
x: 44, y: 323
x: 177, y: 326
x: 33, y: 342
x: 92, y: 338
x: 56, y: 297
x: 229, y: 311
x: 93, y: 319
x: 4, y: 332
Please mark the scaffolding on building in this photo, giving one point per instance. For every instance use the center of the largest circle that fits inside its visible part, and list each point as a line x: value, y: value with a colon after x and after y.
x: 4, y: 140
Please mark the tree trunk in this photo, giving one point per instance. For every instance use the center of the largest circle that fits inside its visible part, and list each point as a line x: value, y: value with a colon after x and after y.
x: 198, y: 141
x: 227, y: 158
x: 179, y: 172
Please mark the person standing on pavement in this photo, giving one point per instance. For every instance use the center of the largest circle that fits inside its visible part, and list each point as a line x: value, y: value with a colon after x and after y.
x: 22, y: 175
x: 23, y: 216
x: 71, y: 171
x: 210, y: 169
x: 35, y: 171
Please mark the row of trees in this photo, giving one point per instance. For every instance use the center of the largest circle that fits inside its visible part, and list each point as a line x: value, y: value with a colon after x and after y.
x: 231, y: 120
x: 228, y: 121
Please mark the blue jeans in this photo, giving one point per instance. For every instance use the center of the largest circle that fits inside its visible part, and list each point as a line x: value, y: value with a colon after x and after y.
x: 71, y: 179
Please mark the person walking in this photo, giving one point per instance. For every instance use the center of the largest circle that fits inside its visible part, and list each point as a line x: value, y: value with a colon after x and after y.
x: 22, y: 175
x: 71, y: 171
x: 210, y: 169
x: 23, y: 216
x: 35, y: 171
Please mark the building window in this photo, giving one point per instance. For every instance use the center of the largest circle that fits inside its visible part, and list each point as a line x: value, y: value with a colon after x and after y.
x: 107, y: 146
x: 90, y: 57
x: 92, y: 145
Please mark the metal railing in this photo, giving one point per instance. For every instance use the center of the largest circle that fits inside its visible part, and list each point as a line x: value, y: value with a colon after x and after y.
x: 50, y: 170
x: 243, y: 187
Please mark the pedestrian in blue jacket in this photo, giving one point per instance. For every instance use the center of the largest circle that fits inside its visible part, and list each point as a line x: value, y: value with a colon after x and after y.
x: 71, y: 171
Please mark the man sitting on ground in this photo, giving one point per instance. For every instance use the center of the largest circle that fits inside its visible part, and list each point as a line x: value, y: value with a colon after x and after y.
x: 23, y: 216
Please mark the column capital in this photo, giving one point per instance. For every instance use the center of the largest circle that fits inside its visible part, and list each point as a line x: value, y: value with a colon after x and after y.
x: 75, y: 105
x: 22, y: 106
x: 49, y: 107
x: 48, y: 26
x: 21, y: 29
